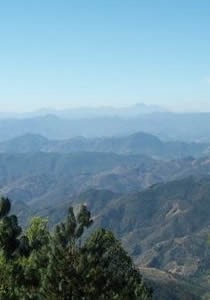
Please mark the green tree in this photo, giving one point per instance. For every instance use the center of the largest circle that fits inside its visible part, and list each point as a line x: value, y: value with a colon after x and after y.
x: 108, y: 271
x: 9, y: 230
x: 98, y: 268
x: 34, y: 265
x: 11, y: 245
x: 62, y: 279
x: 22, y: 255
x: 65, y: 264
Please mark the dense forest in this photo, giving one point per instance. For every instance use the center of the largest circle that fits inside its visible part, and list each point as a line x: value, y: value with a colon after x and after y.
x: 67, y: 263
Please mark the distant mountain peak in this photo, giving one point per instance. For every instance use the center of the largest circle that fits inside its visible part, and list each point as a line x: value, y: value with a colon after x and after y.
x: 90, y: 112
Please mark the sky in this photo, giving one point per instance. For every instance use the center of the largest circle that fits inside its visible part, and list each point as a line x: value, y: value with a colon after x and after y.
x: 70, y: 53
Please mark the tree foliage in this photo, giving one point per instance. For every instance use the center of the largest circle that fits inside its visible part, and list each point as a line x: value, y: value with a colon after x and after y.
x: 63, y: 265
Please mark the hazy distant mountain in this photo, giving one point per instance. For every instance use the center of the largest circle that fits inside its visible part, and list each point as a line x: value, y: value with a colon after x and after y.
x: 25, y: 143
x: 103, y: 111
x: 138, y: 143
x: 167, y: 126
x: 90, y: 112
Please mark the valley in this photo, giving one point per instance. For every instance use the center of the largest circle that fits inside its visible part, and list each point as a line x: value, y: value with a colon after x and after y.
x: 152, y: 194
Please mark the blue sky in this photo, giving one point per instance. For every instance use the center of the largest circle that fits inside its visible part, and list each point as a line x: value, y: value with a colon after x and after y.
x: 68, y: 53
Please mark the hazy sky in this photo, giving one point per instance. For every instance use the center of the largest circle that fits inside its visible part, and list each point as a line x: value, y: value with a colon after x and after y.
x: 64, y: 53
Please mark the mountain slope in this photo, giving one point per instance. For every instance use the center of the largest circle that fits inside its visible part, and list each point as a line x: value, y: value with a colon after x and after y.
x: 41, y: 178
x: 167, y: 286
x: 164, y: 227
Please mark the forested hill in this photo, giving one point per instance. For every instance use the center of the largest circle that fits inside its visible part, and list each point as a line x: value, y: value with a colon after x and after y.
x: 164, y: 227
x: 159, y: 226
x: 159, y: 209
x: 38, y: 264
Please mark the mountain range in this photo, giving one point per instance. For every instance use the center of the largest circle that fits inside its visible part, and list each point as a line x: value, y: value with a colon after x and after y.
x: 159, y: 226
x: 89, y: 112
x: 191, y: 127
x: 153, y: 193
x: 164, y: 227
x: 138, y: 143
